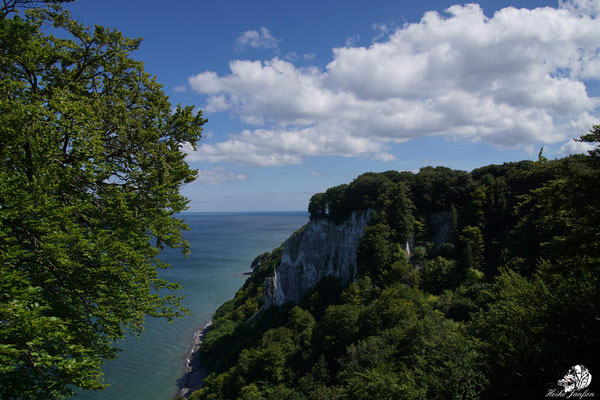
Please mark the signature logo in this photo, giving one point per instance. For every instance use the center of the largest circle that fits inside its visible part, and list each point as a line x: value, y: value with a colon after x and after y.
x: 578, y: 378
x: 573, y: 384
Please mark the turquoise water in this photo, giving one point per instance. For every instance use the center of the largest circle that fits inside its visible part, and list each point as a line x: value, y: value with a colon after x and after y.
x: 223, y: 246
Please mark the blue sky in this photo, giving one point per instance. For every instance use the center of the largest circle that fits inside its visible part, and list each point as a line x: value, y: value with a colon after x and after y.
x: 301, y: 96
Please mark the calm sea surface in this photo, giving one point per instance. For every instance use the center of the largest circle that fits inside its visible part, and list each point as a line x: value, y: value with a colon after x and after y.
x: 223, y: 246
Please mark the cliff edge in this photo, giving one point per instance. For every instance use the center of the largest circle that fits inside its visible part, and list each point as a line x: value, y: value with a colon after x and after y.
x: 325, y: 248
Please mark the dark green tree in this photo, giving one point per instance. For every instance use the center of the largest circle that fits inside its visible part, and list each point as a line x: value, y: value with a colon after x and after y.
x: 317, y: 205
x: 378, y: 255
x: 472, y: 240
x: 437, y: 275
x: 592, y: 137
x: 91, y: 168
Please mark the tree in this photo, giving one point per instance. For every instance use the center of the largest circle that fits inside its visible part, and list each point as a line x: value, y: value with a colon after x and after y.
x: 399, y: 210
x: 9, y: 6
x: 377, y: 252
x: 438, y: 275
x: 91, y: 168
x: 317, y: 205
x: 592, y: 137
x: 473, y: 249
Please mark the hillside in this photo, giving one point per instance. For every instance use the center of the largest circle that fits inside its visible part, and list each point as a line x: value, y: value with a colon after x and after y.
x: 467, y: 285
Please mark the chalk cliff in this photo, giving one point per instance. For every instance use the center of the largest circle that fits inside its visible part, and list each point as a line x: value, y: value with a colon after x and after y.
x: 440, y: 224
x: 323, y: 249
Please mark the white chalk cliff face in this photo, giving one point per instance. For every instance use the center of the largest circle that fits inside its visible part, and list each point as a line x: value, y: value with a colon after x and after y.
x: 323, y: 249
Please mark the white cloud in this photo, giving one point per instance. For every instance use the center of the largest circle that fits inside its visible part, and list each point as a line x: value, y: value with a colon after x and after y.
x: 583, y: 124
x: 352, y: 40
x: 216, y: 104
x: 573, y: 147
x: 582, y: 7
x: 291, y: 57
x: 219, y: 175
x: 260, y: 39
x: 180, y: 89
x: 316, y: 173
x: 309, y: 56
x: 269, y: 147
x: 383, y: 30
x: 515, y: 80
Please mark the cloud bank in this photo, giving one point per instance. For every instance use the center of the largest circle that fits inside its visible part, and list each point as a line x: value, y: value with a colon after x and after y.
x: 217, y: 175
x: 512, y: 80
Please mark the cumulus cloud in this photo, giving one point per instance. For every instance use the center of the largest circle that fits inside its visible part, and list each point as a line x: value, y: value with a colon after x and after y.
x: 219, y: 175
x: 216, y: 104
x: 573, y: 147
x: 514, y: 80
x: 383, y: 30
x: 582, y: 7
x: 269, y: 147
x: 180, y: 89
x: 352, y: 40
x: 260, y: 39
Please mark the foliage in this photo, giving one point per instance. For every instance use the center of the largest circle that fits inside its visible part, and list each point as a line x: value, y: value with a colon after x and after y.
x: 507, y: 301
x: 438, y: 274
x: 10, y: 6
x: 91, y: 170
x: 592, y: 137
x: 472, y: 242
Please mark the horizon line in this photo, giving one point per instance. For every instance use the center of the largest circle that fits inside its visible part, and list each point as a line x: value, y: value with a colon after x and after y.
x: 247, y: 211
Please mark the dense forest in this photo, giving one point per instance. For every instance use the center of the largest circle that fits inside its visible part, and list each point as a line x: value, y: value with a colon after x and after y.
x: 501, y: 308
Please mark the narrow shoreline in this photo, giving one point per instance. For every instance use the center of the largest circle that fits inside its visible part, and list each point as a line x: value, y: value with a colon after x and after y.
x: 195, y: 371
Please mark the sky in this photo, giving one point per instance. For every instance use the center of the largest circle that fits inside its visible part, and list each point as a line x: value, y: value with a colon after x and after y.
x: 302, y: 96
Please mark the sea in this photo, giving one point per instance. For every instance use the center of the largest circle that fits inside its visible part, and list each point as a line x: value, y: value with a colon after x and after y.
x: 223, y: 246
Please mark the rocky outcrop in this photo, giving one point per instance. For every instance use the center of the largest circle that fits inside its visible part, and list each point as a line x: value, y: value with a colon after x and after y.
x: 440, y: 224
x: 323, y: 249
x: 410, y: 244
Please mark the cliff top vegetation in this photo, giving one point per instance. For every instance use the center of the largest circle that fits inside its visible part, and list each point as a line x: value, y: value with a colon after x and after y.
x: 487, y: 312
